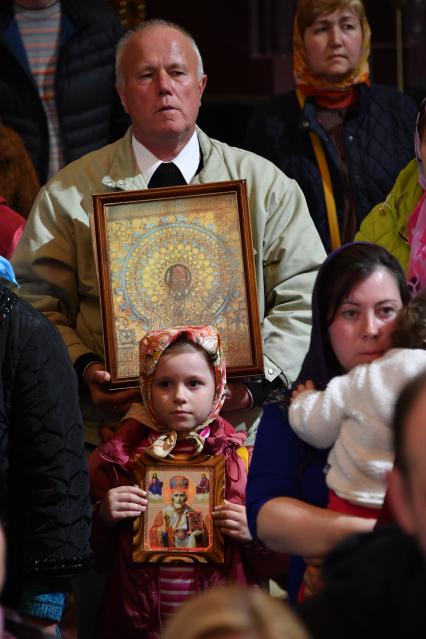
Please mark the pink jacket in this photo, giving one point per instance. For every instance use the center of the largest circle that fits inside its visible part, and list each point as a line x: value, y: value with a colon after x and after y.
x: 131, y: 600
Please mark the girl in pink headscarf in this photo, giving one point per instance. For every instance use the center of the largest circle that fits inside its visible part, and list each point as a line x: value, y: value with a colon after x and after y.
x: 183, y: 383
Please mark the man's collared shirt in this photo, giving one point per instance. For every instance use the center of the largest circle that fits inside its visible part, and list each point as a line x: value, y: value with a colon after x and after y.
x: 187, y: 160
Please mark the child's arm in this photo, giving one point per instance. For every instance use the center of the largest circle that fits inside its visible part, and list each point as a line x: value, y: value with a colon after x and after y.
x: 104, y: 479
x: 231, y: 516
x: 120, y: 503
x: 316, y: 416
x: 259, y: 562
x: 232, y: 521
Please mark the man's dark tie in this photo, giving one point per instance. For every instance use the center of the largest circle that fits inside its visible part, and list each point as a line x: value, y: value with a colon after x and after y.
x: 166, y: 174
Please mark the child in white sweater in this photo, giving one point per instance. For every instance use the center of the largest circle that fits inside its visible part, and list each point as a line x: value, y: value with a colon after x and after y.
x: 353, y: 415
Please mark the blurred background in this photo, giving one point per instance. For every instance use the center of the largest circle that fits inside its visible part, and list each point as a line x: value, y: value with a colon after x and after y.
x: 247, y: 50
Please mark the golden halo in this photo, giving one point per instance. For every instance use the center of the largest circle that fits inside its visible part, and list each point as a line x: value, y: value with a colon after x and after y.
x: 167, y: 491
x: 198, y: 250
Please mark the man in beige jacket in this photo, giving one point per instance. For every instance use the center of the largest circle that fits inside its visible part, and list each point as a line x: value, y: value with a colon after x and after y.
x: 160, y: 81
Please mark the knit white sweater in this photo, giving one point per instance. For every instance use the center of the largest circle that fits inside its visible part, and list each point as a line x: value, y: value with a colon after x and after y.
x: 353, y: 415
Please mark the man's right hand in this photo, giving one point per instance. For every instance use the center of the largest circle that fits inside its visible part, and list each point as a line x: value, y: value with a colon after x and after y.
x: 96, y: 378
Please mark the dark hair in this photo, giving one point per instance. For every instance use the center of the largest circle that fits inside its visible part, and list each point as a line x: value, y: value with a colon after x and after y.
x: 403, y: 407
x: 410, y: 329
x: 350, y: 267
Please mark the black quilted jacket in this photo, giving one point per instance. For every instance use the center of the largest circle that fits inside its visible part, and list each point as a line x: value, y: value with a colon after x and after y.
x: 90, y: 114
x: 378, y: 137
x: 46, y: 507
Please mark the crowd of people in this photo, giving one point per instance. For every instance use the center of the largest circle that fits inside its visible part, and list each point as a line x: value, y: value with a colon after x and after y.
x: 122, y: 505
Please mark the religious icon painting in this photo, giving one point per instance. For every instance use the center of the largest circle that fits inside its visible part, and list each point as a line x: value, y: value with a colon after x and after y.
x: 177, y: 525
x: 176, y: 257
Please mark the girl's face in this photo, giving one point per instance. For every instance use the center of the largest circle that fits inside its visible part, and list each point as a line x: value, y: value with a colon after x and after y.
x: 362, y: 327
x: 182, y: 390
x: 333, y: 45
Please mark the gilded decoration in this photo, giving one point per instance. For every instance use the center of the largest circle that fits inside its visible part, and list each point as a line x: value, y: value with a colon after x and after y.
x: 180, y: 264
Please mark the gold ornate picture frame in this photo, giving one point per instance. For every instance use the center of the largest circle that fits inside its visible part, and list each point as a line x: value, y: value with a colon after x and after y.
x: 173, y: 257
x: 177, y: 525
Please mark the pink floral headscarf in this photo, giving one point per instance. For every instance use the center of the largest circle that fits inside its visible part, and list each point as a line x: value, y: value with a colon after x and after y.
x: 417, y: 222
x: 152, y: 347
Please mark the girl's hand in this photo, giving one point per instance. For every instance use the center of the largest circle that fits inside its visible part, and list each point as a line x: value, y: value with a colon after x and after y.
x: 232, y: 521
x: 121, y: 503
x: 300, y: 388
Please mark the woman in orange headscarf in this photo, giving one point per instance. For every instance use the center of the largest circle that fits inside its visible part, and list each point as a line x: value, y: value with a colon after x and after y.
x: 343, y: 138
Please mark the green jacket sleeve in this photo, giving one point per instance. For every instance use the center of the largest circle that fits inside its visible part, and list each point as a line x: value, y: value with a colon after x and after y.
x: 387, y: 222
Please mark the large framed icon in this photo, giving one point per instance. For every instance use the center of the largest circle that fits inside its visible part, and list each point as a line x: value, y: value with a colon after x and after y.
x: 176, y: 256
x: 177, y: 525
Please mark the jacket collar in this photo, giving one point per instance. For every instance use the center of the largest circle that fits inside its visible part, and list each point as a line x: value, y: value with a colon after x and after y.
x: 123, y: 173
x: 6, y: 14
x: 11, y: 38
x: 79, y: 12
x: 308, y: 119
x: 213, y: 161
x: 134, y: 437
x: 74, y: 17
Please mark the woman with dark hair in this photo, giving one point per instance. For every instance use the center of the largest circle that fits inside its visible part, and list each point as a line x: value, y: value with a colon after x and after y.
x: 356, y: 299
x: 353, y: 413
x: 341, y: 137
x: 399, y: 223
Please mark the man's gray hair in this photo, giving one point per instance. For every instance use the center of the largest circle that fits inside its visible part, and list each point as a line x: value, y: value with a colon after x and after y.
x: 147, y: 25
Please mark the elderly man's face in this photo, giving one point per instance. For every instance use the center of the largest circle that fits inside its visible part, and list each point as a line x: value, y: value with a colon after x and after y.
x: 408, y: 494
x: 160, y: 88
